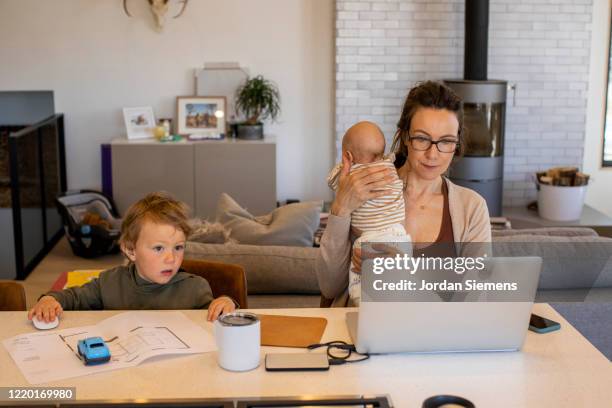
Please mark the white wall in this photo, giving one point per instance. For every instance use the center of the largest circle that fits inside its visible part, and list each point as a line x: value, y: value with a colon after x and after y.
x: 599, y: 194
x: 97, y: 60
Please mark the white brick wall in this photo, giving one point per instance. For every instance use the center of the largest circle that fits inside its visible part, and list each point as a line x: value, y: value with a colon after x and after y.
x: 383, y: 47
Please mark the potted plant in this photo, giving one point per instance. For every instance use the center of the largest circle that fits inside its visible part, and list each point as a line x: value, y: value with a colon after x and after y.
x: 257, y: 99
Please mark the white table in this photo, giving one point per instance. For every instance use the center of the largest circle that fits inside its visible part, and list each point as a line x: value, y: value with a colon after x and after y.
x: 559, y: 369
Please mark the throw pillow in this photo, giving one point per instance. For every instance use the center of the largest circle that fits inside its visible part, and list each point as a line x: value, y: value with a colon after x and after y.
x: 289, y: 225
x: 209, y: 232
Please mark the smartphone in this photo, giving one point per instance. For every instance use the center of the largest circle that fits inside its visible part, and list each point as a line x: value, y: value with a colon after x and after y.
x: 541, y: 324
x: 297, y: 362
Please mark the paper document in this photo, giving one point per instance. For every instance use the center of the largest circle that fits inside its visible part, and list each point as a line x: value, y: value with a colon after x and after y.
x: 132, y: 337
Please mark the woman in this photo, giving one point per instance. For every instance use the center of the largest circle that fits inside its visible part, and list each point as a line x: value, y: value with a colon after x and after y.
x: 430, y: 133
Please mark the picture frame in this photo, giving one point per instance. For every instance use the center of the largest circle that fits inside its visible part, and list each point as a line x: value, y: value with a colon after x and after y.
x: 139, y: 122
x: 200, y: 115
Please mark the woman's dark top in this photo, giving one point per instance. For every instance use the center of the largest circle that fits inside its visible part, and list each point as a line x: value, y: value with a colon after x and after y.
x: 444, y: 245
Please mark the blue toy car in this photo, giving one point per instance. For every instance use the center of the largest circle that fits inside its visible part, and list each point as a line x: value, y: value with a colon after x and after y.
x: 93, y: 350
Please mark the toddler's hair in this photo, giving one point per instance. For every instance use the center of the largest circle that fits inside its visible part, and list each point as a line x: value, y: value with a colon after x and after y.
x: 158, y: 207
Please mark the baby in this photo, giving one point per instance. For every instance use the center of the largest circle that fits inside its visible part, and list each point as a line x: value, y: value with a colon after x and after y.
x: 380, y: 219
x: 153, y: 236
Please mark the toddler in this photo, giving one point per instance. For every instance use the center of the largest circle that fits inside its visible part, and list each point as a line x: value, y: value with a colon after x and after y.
x: 153, y: 235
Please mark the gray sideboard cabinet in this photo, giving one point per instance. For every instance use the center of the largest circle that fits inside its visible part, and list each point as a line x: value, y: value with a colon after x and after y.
x: 196, y: 172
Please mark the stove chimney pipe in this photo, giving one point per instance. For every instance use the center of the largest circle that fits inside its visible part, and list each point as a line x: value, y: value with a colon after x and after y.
x: 476, y: 40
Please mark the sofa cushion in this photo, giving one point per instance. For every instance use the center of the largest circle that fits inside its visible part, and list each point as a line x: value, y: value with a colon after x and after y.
x: 269, y: 269
x: 569, y: 262
x: 550, y: 231
x: 289, y: 225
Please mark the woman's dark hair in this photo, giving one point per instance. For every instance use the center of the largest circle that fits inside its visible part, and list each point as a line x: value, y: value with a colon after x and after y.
x: 428, y: 94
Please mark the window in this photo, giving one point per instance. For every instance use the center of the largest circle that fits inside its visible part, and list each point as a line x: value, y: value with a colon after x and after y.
x: 607, y: 139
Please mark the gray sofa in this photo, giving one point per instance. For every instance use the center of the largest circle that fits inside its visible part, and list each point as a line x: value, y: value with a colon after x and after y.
x: 277, y: 276
x: 577, y: 262
x: 577, y: 266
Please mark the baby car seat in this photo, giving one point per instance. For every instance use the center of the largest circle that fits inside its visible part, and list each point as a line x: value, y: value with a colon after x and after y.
x: 91, y: 222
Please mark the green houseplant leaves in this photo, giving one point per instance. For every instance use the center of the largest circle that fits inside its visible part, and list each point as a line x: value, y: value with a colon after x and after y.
x: 258, y: 99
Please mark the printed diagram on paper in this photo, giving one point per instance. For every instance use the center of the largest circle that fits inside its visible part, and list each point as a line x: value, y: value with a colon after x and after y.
x: 139, y: 341
x: 132, y: 337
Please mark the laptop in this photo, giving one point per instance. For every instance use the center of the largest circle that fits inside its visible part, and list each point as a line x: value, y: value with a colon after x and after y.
x: 431, y: 327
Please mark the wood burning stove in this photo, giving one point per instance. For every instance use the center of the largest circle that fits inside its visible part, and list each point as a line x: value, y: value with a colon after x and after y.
x: 484, y: 103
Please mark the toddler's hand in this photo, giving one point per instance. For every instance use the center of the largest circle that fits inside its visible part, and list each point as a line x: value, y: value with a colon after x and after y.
x: 220, y: 305
x: 46, y: 309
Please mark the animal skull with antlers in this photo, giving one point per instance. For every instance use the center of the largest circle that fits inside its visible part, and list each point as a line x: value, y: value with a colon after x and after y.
x: 159, y: 8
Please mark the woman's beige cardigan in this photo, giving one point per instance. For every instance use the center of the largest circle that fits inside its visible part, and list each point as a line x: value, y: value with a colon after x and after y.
x: 469, y: 217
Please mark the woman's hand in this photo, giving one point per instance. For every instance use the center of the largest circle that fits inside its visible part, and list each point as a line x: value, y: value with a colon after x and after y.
x: 219, y: 306
x: 358, y: 187
x: 376, y: 249
x: 47, y: 309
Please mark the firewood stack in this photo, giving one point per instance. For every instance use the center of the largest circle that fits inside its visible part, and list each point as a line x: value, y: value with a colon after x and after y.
x: 563, y: 176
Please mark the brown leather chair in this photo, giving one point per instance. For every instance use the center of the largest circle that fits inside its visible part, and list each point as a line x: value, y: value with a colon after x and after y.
x: 12, y: 296
x: 224, y: 279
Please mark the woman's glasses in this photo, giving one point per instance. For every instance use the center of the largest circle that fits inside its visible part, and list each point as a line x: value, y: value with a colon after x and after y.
x: 424, y: 143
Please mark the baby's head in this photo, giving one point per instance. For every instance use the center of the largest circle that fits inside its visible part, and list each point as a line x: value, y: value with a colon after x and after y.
x: 153, y: 235
x: 363, y: 143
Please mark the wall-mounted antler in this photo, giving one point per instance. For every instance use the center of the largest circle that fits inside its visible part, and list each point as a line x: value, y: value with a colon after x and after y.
x: 159, y: 8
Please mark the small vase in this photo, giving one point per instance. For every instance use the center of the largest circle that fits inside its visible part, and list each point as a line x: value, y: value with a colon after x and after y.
x: 250, y: 132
